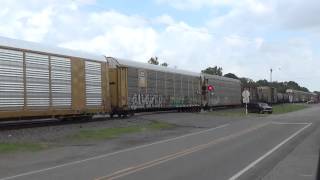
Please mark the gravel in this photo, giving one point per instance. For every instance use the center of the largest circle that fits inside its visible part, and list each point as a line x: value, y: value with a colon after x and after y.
x: 58, y: 133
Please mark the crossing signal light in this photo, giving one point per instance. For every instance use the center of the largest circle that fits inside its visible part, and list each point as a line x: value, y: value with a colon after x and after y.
x: 210, y: 88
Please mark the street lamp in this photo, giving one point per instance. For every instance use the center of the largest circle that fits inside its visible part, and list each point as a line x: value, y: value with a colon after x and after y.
x: 271, y: 71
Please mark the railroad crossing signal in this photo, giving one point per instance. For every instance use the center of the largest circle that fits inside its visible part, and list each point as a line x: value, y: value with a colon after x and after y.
x: 210, y: 88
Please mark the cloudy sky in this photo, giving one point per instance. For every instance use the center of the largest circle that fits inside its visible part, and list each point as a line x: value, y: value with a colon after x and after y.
x: 246, y: 37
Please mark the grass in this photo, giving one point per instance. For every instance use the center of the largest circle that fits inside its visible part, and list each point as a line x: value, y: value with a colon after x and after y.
x: 238, y: 112
x: 108, y: 133
x: 286, y: 108
x: 15, y: 147
x: 277, y: 109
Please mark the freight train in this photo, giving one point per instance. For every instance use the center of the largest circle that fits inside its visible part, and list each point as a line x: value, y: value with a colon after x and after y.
x: 296, y: 96
x: 42, y: 81
x: 271, y: 96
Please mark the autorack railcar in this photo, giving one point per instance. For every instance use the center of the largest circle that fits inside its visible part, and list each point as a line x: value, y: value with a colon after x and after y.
x: 42, y: 81
x: 225, y: 92
x: 137, y: 87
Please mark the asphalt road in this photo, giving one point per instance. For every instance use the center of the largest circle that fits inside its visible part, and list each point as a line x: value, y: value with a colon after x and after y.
x: 241, y: 149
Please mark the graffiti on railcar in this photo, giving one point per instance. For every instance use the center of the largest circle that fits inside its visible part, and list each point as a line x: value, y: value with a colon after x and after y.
x: 140, y: 100
x: 145, y: 101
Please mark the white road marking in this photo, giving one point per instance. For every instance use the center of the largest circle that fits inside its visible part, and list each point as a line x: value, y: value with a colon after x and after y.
x: 110, y: 154
x: 140, y: 167
x: 290, y: 123
x: 254, y: 163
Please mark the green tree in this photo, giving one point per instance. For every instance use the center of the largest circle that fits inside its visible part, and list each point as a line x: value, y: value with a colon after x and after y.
x: 213, y: 70
x: 296, y: 86
x: 247, y: 82
x: 263, y: 83
x: 153, y: 60
x: 231, y: 75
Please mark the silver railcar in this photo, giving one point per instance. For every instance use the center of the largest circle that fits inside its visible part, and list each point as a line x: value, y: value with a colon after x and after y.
x: 226, y: 91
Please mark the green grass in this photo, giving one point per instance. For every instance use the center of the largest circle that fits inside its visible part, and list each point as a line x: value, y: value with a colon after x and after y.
x: 237, y: 112
x: 277, y: 109
x: 14, y: 147
x: 286, y: 108
x: 108, y: 133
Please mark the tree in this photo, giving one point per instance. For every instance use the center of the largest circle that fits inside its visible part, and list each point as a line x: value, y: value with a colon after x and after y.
x: 164, y: 64
x: 153, y: 60
x: 213, y: 71
x: 231, y: 75
x: 247, y: 82
x: 263, y: 83
x: 296, y: 86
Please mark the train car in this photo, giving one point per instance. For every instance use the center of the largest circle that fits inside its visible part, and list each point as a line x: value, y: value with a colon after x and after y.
x: 140, y: 87
x: 317, y: 98
x: 42, y: 81
x: 314, y: 98
x: 280, y: 98
x: 286, y: 97
x: 293, y: 96
x: 225, y: 91
x: 267, y: 94
x: 296, y: 96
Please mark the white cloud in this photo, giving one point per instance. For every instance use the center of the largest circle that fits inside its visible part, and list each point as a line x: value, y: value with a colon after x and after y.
x: 196, y: 4
x: 237, y: 41
x: 164, y: 19
x: 119, y: 41
x: 295, y: 14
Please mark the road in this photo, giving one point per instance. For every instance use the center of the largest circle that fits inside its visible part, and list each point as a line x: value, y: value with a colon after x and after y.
x: 243, y: 149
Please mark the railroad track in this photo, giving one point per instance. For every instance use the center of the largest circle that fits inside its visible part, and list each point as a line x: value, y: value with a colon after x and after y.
x: 23, y: 124
x: 33, y: 123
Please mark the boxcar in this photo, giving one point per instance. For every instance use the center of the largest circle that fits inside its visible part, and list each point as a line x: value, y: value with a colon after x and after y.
x: 226, y: 91
x: 138, y: 87
x: 267, y: 94
x: 43, y: 81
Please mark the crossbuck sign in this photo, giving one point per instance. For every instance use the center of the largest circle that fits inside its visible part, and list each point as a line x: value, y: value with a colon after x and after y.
x: 246, y: 98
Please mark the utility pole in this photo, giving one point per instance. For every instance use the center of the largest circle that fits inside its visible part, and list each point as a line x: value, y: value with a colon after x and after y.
x: 271, y: 75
